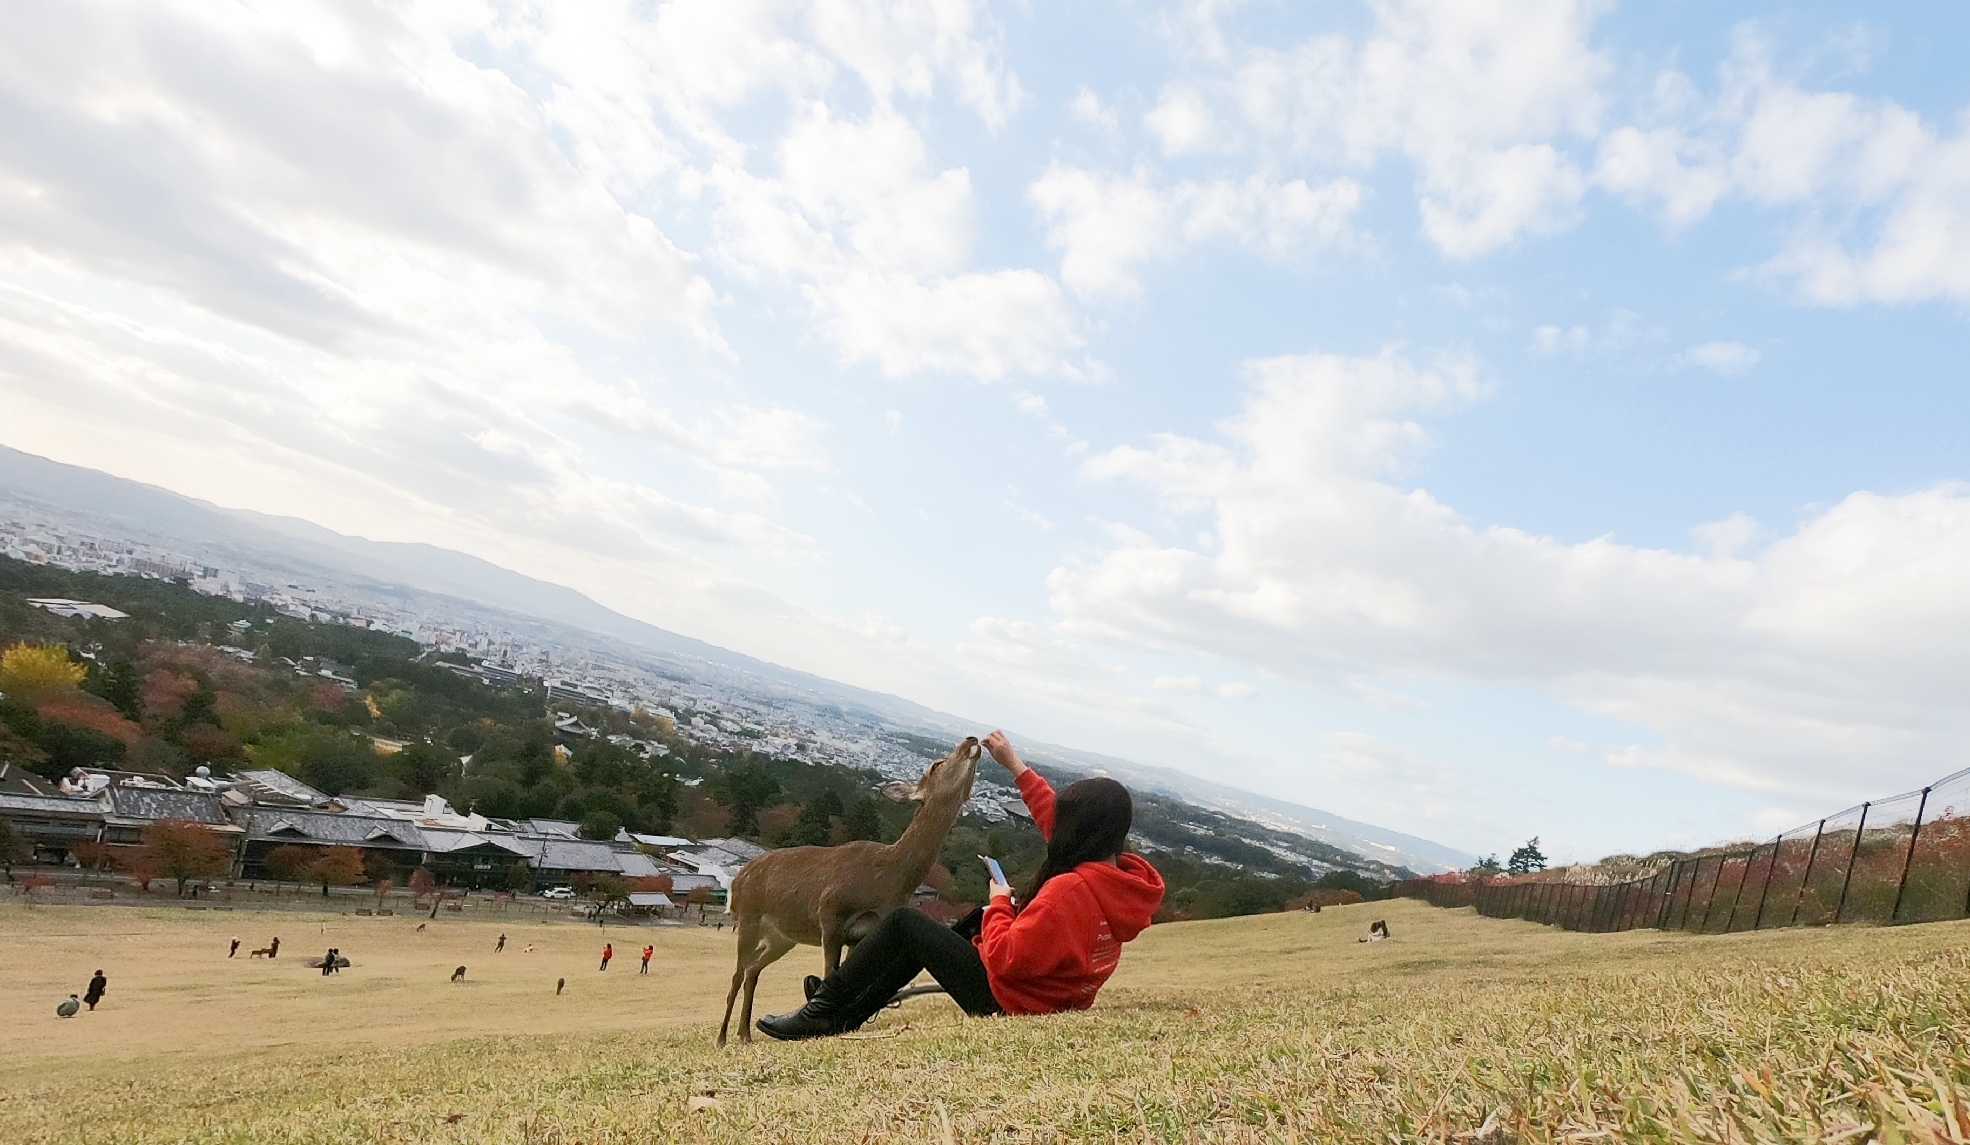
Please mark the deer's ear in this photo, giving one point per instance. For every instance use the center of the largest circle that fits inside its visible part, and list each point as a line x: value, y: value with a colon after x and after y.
x: 900, y: 792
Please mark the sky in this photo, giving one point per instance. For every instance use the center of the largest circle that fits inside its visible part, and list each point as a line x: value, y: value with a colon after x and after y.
x: 1483, y: 419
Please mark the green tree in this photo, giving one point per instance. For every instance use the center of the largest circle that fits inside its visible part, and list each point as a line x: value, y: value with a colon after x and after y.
x: 1487, y: 867
x: 13, y: 848
x: 864, y: 820
x: 519, y: 877
x: 744, y: 791
x: 121, y: 684
x: 1527, y: 859
x: 600, y: 824
x: 815, y: 827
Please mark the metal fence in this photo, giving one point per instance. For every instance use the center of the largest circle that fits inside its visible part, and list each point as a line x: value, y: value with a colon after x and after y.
x: 1905, y: 859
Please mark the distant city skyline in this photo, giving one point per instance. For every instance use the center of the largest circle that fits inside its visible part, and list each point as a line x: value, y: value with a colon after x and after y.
x: 1539, y: 417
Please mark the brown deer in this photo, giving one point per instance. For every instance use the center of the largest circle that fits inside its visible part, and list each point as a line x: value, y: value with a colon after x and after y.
x: 833, y: 896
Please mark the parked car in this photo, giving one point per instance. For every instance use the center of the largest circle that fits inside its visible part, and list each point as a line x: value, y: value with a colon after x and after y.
x: 558, y: 893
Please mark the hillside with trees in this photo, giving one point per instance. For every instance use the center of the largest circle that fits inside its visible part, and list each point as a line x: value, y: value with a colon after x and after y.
x: 188, y: 680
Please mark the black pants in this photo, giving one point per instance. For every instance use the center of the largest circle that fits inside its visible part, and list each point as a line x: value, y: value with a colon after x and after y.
x: 903, y: 945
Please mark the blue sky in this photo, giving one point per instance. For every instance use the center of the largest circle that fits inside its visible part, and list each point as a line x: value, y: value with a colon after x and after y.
x: 1484, y: 419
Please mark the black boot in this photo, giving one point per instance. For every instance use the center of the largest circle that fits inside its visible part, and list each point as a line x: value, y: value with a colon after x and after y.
x: 817, y: 1019
x: 810, y: 986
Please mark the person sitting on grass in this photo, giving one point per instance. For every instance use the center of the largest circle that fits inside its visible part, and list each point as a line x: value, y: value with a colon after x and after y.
x: 1049, y: 953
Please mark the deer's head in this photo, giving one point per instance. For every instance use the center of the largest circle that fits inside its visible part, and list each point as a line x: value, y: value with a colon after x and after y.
x: 948, y: 780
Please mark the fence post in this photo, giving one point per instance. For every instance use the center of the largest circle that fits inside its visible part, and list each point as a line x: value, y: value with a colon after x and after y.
x: 1709, y: 901
x: 1908, y: 860
x: 1669, y: 895
x: 1860, y: 829
x: 1758, y: 920
x: 1737, y: 893
x: 1806, y: 880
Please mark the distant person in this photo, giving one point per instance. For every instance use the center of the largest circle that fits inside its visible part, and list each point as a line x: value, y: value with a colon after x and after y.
x: 69, y: 1008
x: 1377, y: 931
x: 1048, y: 953
x: 647, y: 952
x: 98, y: 986
x: 608, y: 952
x: 235, y: 948
x: 273, y: 948
x: 501, y: 946
x: 528, y: 949
x: 559, y: 985
x: 328, y: 963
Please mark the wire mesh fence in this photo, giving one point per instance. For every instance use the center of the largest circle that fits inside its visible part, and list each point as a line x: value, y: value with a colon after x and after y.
x: 1898, y: 860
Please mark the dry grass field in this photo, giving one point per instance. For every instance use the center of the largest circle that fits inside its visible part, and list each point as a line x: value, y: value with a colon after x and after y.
x: 1277, y: 1028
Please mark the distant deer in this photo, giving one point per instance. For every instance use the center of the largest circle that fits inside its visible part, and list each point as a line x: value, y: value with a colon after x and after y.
x: 833, y: 896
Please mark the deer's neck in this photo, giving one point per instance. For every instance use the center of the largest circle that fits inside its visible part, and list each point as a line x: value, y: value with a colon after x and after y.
x: 923, y: 840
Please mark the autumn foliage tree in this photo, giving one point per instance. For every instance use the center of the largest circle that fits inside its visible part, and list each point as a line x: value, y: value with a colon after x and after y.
x: 183, y: 851
x: 288, y: 863
x: 38, y: 669
x: 337, y: 866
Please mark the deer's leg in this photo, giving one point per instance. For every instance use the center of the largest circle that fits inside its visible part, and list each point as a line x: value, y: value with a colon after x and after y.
x: 750, y: 948
x: 831, y: 936
x: 776, y: 948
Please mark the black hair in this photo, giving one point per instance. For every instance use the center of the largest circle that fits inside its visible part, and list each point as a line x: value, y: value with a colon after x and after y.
x: 1091, y: 821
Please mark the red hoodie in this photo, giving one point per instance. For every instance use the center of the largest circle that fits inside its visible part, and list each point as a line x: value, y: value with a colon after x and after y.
x: 1058, y: 950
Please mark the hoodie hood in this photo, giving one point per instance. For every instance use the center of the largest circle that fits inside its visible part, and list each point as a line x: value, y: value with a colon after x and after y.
x: 1128, y: 893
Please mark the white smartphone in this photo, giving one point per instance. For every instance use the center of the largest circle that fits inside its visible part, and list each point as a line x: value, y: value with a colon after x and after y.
x: 998, y: 875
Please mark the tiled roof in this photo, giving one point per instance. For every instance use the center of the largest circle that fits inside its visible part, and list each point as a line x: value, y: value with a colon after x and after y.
x: 270, y: 784
x: 447, y: 842
x: 636, y: 865
x: 52, y: 805
x: 561, y: 827
x: 572, y: 855
x: 326, y: 827
x: 157, y: 803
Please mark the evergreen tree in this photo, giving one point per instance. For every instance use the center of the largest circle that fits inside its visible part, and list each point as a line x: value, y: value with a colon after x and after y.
x: 1527, y: 859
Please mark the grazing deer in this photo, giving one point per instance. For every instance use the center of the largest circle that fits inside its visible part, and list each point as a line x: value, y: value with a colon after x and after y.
x: 260, y: 953
x: 458, y: 975
x: 833, y: 896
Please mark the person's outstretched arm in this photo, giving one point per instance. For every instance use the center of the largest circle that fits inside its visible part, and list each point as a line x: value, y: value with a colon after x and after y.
x: 1033, y: 788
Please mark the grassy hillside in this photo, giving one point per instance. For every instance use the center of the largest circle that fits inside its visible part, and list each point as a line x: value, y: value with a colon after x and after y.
x: 1275, y: 1028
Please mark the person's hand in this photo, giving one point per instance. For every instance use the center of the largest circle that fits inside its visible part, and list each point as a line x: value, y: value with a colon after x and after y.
x: 1001, y: 749
x: 999, y: 890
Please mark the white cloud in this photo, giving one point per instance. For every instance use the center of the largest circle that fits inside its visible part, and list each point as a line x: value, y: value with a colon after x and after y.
x: 1728, y: 537
x: 1236, y: 691
x: 1568, y: 744
x: 1883, y: 198
x: 1087, y: 107
x: 1183, y: 121
x: 1178, y: 684
x: 1828, y: 662
x: 1106, y: 227
x: 985, y: 325
x: 1550, y: 341
x: 1724, y: 358
x: 1479, y: 97
x: 1021, y: 644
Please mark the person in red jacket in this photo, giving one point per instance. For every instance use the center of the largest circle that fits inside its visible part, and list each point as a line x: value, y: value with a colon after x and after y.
x: 1050, y: 952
